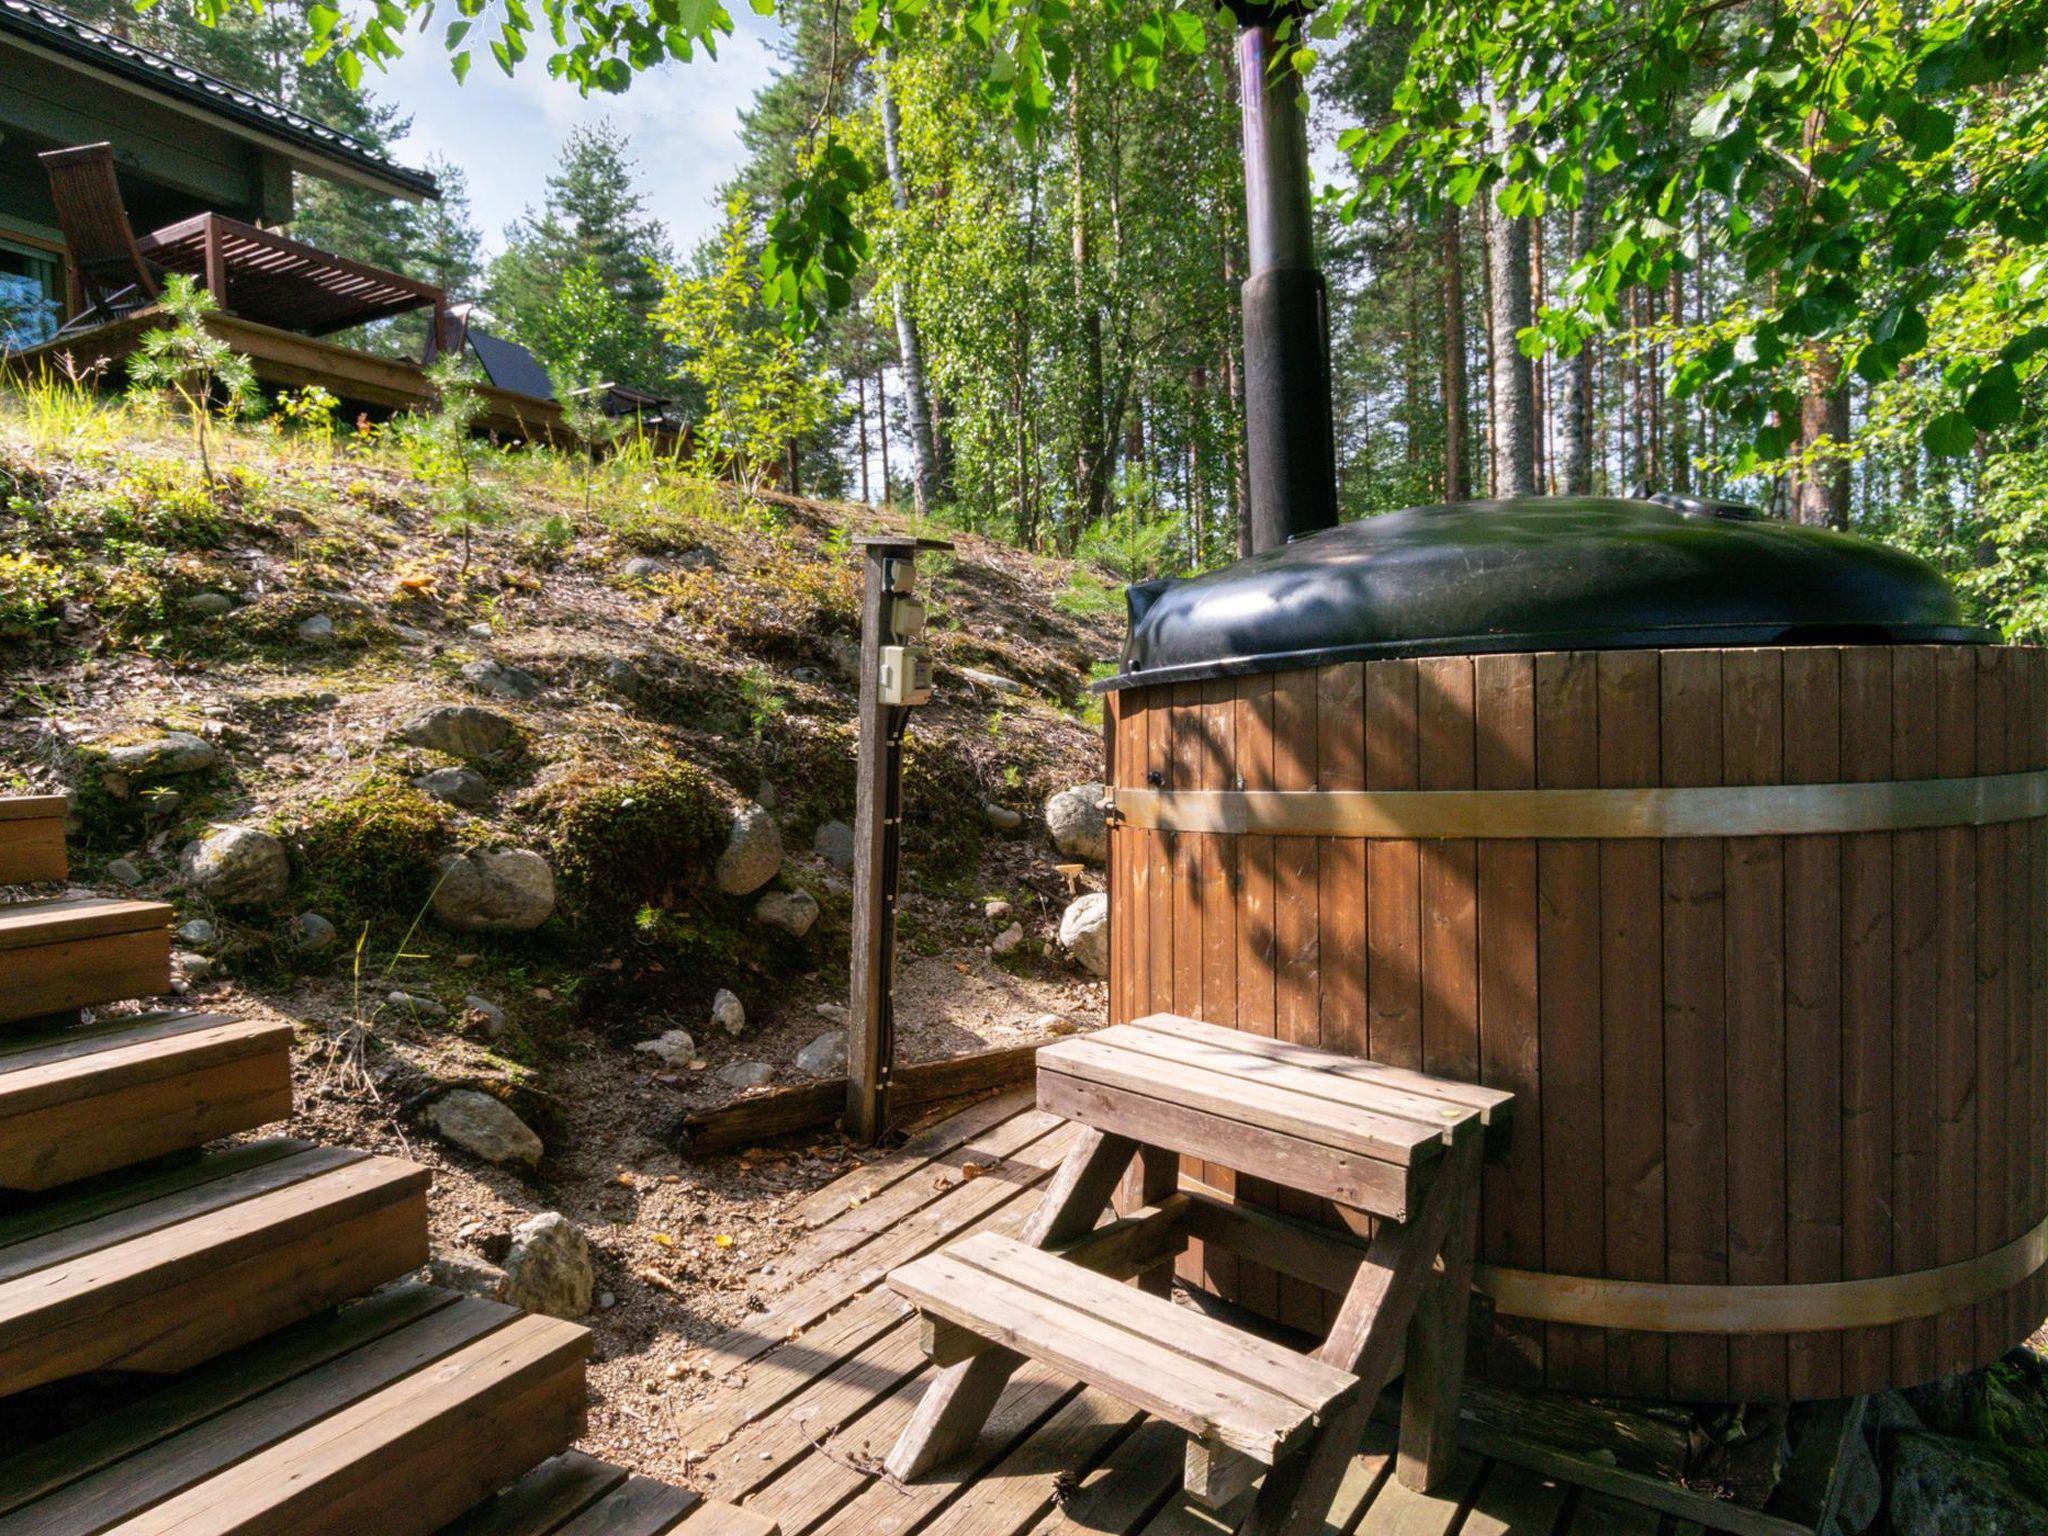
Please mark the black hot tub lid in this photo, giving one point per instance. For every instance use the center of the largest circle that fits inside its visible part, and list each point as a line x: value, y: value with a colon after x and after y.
x: 1537, y: 574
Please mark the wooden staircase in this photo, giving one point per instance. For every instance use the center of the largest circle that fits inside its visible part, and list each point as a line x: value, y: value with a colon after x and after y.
x: 222, y: 1295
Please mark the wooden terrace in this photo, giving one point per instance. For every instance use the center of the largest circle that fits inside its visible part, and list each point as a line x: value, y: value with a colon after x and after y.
x: 810, y: 1393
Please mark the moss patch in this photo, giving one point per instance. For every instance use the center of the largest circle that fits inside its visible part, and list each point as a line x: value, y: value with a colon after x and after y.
x: 372, y: 849
x: 942, y: 821
x: 624, y: 841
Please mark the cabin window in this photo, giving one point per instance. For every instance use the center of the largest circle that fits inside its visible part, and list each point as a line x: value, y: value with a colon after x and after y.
x: 30, y: 295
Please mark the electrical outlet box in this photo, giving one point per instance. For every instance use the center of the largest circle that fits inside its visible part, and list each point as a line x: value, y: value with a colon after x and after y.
x: 905, y: 675
x: 899, y: 576
x: 904, y: 620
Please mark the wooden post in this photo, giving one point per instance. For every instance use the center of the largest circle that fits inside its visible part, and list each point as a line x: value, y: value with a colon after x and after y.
x: 216, y: 263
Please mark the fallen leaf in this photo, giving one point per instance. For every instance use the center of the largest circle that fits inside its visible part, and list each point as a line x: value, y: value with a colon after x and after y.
x: 969, y: 1171
x: 664, y: 1239
x: 722, y: 1240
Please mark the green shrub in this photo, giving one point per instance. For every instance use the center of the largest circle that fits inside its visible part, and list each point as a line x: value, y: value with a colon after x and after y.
x: 31, y: 594
x: 639, y: 839
x: 374, y: 847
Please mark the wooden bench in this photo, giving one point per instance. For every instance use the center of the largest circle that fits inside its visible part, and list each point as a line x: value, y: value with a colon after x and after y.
x: 1401, y: 1145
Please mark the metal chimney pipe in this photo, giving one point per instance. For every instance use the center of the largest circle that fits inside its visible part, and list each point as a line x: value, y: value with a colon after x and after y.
x: 1290, y: 443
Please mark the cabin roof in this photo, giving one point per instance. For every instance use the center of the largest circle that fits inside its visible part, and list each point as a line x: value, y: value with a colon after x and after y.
x: 310, y: 145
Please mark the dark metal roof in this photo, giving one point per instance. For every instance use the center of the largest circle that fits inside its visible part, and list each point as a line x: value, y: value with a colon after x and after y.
x: 295, y: 134
x: 508, y: 365
x: 1537, y: 574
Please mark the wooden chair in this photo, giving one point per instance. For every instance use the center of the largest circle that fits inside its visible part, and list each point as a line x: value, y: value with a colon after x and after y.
x: 109, y: 275
x: 1400, y: 1144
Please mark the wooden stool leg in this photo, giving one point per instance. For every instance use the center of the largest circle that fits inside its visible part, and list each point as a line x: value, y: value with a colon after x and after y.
x: 1150, y: 1179
x: 958, y: 1402
x: 1436, y: 1336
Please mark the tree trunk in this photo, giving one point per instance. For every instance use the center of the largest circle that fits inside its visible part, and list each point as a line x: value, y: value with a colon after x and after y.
x: 1539, y: 367
x: 1488, y: 221
x: 860, y: 391
x: 917, y: 405
x: 1820, y: 483
x: 1514, y: 431
x: 882, y: 423
x: 1677, y: 426
x: 1091, y: 447
x: 1575, y: 379
x: 1457, y: 421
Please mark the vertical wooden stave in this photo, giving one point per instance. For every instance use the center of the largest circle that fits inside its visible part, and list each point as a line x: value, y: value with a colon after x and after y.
x: 1954, y: 1193
x: 1813, y: 1014
x: 1449, y: 951
x: 1159, y: 857
x: 1221, y: 900
x: 1568, y: 1008
x: 1915, y: 976
x: 1995, y: 1141
x: 1258, y: 1286
x: 1186, y: 853
x: 1340, y: 866
x: 2023, y: 1185
x: 1297, y: 895
x: 2036, y: 1291
x: 1112, y: 727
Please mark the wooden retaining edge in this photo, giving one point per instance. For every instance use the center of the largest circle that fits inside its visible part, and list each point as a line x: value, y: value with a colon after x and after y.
x: 814, y: 1106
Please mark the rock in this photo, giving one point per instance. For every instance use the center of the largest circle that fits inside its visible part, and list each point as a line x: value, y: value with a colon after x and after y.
x: 509, y: 890
x: 197, y: 934
x: 1941, y: 1485
x: 1888, y: 1413
x: 825, y: 1056
x: 548, y: 1267
x: 699, y: 558
x: 1075, y: 820
x: 1861, y: 1489
x: 162, y: 804
x: 460, y: 730
x: 644, y: 568
x: 480, y: 630
x: 1008, y: 940
x: 484, y: 1016
x: 675, y: 1047
x: 456, y: 786
x: 124, y: 872
x: 997, y: 910
x: 163, y: 757
x: 312, y: 933
x: 793, y: 912
x: 237, y: 867
x: 990, y: 680
x: 425, y: 1009
x: 606, y: 1301
x: 833, y: 842
x: 317, y: 630
x: 845, y: 654
x: 484, y: 1127
x: 753, y: 852
x: 621, y: 676
x: 728, y: 1013
x: 836, y: 1012
x: 1952, y: 1404
x: 1001, y: 817
x: 207, y: 605
x: 501, y: 681
x: 472, y: 1277
x: 1054, y: 1024
x: 1084, y: 932
x: 744, y: 1074
x: 197, y: 969
x: 407, y: 635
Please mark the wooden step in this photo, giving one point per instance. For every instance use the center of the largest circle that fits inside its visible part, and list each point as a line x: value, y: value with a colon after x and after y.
x: 87, y: 1100
x: 80, y: 951
x: 32, y: 838
x: 158, y: 1270
x: 390, y: 1417
x: 576, y: 1495
x: 1227, y: 1388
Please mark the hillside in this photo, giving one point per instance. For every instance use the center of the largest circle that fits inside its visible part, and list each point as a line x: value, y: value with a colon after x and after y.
x: 644, y: 663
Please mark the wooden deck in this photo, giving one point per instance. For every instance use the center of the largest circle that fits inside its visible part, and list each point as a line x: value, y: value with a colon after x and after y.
x: 811, y: 1392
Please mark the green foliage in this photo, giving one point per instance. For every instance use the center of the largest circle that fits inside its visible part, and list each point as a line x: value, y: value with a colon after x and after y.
x: 643, y: 837
x: 373, y: 848
x: 32, y: 591
x: 1130, y: 549
x: 942, y: 821
x: 446, y: 455
x: 310, y: 411
x: 190, y: 365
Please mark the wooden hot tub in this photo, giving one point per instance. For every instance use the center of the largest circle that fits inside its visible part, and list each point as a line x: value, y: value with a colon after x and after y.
x: 1753, y: 930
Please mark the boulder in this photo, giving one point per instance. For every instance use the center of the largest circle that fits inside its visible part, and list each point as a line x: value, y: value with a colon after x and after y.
x: 484, y: 1016
x: 993, y: 681
x: 793, y: 912
x: 237, y: 867
x: 456, y: 786
x: 195, y: 968
x: 500, y: 681
x: 207, y: 605
x: 1941, y: 1484
x: 644, y: 568
x: 508, y: 890
x: 753, y: 852
x: 197, y: 934
x: 460, y: 730
x: 672, y: 1047
x: 124, y: 872
x: 548, y: 1267
x: 1075, y: 820
x: 622, y: 677
x: 1001, y: 817
x: 484, y: 1127
x: 164, y: 757
x: 744, y: 1074
x: 1084, y: 932
x: 825, y: 1056
x: 728, y: 1013
x: 316, y: 630
x: 833, y: 842
x: 312, y: 933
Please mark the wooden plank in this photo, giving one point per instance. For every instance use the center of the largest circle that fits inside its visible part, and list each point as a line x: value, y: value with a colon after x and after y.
x: 1257, y: 964
x: 1813, y: 1014
x: 1297, y: 934
x: 1994, y: 1106
x: 1511, y: 1207
x: 1184, y: 851
x: 1393, y: 869
x: 1568, y: 1005
x: 536, y: 1505
x: 1218, y: 1270
x: 1513, y: 1501
x: 1434, y: 1373
x: 1632, y: 1013
x: 2034, y: 748
x: 1344, y: 943
x: 32, y: 838
x: 1324, y: 1258
x: 1867, y: 961
x: 66, y: 919
x: 1915, y: 998
x: 1400, y: 1510
x: 1447, y: 758
x: 712, y: 1518
x: 1158, y: 854
x: 1125, y: 1490
x: 637, y: 1507
x: 33, y: 807
x: 814, y: 1106
x: 1695, y: 1087
x: 1753, y: 752
x: 850, y: 1191
x: 2023, y: 1186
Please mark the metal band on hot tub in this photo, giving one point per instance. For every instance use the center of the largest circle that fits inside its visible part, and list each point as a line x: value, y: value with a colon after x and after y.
x: 1746, y: 810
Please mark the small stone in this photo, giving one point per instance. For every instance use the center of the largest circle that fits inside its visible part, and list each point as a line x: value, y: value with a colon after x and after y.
x: 1001, y: 817
x: 207, y: 605
x: 1084, y: 932
x: 675, y: 1047
x: 481, y: 1125
x: 1008, y: 940
x: 548, y: 1267
x: 727, y: 1012
x: 484, y: 1016
x: 163, y: 757
x: 1074, y: 818
x: 996, y: 910
x: 699, y: 558
x: 312, y: 933
x: 1861, y: 1489
x: 744, y: 1074
x: 606, y: 1301
x: 644, y: 568
x: 836, y: 1012
x: 480, y: 630
x: 792, y: 912
x: 825, y: 1056
x: 237, y: 867
x: 1054, y: 1024
x: 833, y: 842
x: 460, y: 730
x: 472, y: 1277
x: 197, y: 934
x: 509, y: 890
x: 317, y: 630
x: 753, y: 852
x: 993, y: 681
x: 500, y: 681
x: 622, y: 677
x: 197, y: 969
x: 424, y: 1009
x: 407, y: 635
x: 124, y: 872
x: 456, y: 786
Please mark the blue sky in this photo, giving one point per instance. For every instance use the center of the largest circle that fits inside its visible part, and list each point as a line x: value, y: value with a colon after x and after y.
x: 683, y: 120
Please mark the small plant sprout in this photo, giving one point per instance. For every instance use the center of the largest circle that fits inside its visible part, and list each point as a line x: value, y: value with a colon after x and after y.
x: 187, y: 364
x: 445, y: 454
x: 594, y: 429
